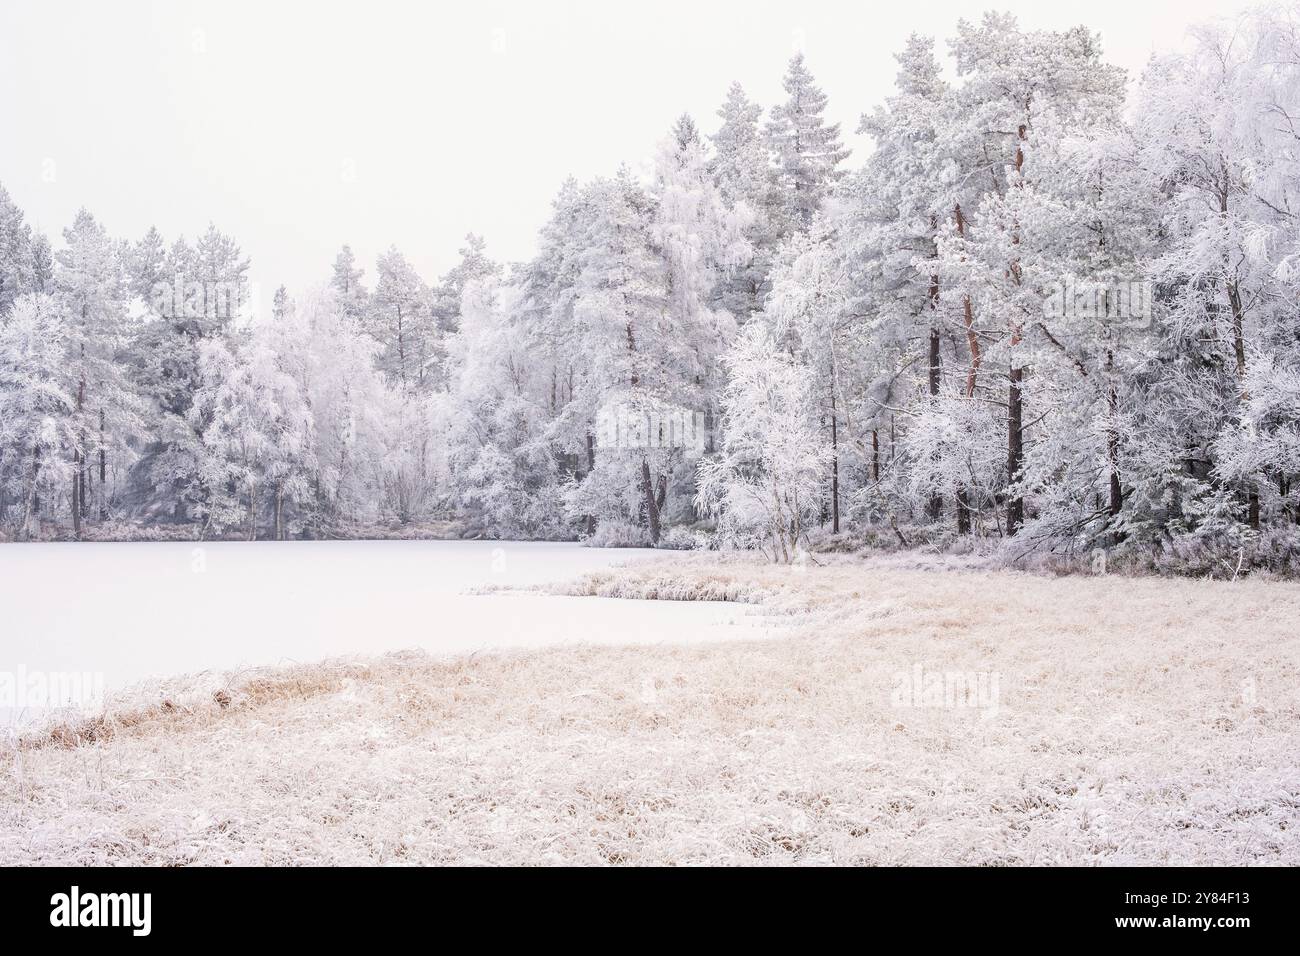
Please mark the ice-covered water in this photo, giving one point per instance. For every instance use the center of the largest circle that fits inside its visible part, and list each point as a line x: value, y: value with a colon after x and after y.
x: 134, y: 611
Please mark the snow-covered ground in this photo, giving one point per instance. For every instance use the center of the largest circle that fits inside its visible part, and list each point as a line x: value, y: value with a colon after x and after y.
x: 891, y: 715
x: 129, y: 612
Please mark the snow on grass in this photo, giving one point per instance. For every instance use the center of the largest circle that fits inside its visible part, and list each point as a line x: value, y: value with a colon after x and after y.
x: 1134, y: 721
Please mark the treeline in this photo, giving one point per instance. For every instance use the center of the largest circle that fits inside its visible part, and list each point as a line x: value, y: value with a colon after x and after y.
x: 1053, y: 307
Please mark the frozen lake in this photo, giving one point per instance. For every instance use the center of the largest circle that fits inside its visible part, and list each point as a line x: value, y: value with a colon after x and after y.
x: 134, y: 611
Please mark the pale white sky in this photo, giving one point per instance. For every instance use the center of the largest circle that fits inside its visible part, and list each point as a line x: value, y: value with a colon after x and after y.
x: 298, y: 126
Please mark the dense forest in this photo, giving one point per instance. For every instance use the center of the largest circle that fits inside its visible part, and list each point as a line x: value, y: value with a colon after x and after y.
x: 1053, y: 313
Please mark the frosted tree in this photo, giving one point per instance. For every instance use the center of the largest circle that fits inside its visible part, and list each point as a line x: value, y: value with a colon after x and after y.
x: 898, y: 206
x: 191, y: 294
x: 742, y: 168
x: 474, y: 264
x: 42, y: 263
x: 91, y: 289
x: 548, y: 292
x: 354, y: 416
x: 508, y: 478
x: 228, y: 413
x: 649, y: 331
x: 346, y: 281
x: 399, y: 321
x: 281, y: 304
x: 1215, y: 127
x: 703, y: 242
x: 628, y: 348
x: 38, y: 428
x: 741, y: 164
x: 256, y: 425
x: 808, y: 312
x: 1019, y: 86
x: 15, y: 252
x: 1087, y: 233
x: 765, y: 485
x: 281, y: 359
x: 807, y: 148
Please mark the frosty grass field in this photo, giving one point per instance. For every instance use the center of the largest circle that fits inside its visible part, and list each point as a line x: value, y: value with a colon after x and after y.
x: 857, y: 711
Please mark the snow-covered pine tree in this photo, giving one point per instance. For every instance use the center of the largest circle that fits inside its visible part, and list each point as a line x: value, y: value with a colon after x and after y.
x: 896, y: 209
x: 629, y: 348
x: 1018, y: 85
x: 16, y: 272
x: 807, y: 148
x: 742, y: 168
x: 445, y: 296
x: 346, y: 281
x: 399, y: 321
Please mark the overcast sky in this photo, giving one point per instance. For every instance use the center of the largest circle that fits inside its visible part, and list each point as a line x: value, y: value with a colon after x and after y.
x: 297, y: 127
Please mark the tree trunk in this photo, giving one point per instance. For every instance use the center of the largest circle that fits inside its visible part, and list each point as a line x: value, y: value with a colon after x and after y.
x: 835, y: 466
x: 972, y: 376
x: 1238, y: 332
x: 279, y: 512
x: 31, y: 501
x: 78, y: 476
x: 36, y: 473
x: 1239, y: 354
x: 934, y: 362
x: 651, y: 505
x: 1015, y: 450
x: 1015, y: 411
x: 1112, y: 443
x: 103, y: 471
x: 76, y: 498
x: 590, y: 520
x: 401, y: 349
x: 935, y: 508
x: 968, y: 318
